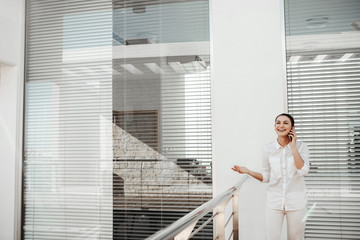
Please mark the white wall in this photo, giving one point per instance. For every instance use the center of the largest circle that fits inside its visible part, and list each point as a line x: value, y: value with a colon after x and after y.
x: 11, y: 82
x: 248, y: 92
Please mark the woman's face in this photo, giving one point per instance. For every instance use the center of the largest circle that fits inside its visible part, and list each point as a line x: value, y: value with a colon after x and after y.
x: 282, y: 126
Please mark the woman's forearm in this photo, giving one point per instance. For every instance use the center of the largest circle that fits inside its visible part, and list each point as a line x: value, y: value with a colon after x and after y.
x: 299, y: 162
x: 256, y: 175
x: 245, y: 170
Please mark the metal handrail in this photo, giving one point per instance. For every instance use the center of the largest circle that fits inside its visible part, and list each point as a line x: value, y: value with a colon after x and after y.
x: 190, y: 219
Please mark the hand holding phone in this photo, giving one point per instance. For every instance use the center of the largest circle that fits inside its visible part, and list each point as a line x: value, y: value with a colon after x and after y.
x: 292, y: 137
x: 290, y: 134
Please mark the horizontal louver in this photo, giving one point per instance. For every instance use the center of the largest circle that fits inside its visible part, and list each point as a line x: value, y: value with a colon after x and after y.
x: 117, y: 119
x: 323, y: 83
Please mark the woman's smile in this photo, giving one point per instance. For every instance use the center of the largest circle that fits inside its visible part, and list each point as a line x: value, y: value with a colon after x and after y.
x: 282, y: 125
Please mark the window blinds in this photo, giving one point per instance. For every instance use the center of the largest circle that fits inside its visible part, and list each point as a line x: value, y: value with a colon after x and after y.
x: 323, y: 83
x: 117, y: 139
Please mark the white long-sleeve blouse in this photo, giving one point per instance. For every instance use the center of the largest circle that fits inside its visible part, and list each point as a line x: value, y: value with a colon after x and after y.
x: 286, y: 189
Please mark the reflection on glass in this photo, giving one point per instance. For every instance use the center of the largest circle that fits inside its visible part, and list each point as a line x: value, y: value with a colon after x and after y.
x: 323, y: 63
x: 118, y: 126
x: 161, y: 115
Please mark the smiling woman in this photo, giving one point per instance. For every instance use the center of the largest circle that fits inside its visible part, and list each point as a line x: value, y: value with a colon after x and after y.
x: 285, y: 163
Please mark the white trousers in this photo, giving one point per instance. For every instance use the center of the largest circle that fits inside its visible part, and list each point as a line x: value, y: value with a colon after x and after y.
x: 295, y: 224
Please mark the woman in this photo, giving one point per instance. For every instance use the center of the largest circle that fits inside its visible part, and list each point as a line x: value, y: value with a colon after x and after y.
x: 285, y: 163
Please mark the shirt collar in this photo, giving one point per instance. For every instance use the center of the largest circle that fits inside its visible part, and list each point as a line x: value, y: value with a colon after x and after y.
x: 278, y: 146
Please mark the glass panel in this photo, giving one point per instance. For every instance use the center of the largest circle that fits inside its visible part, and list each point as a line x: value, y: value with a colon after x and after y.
x: 68, y: 144
x: 117, y: 117
x: 161, y: 114
x: 323, y: 74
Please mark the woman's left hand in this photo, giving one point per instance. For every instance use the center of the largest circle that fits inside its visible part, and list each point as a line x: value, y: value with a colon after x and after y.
x: 292, y: 136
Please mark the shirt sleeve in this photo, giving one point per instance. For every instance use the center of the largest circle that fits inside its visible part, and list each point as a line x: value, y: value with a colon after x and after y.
x: 265, y: 166
x: 305, y: 155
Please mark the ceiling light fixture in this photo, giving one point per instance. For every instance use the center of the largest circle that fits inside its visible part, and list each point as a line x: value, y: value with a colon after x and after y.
x: 294, y: 59
x: 197, y: 65
x: 154, y: 68
x: 345, y: 57
x: 132, y: 69
x: 115, y: 72
x: 200, y: 63
x: 319, y: 58
x: 177, y: 67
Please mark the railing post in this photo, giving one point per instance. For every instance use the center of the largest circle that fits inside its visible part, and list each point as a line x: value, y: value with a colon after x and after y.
x: 220, y: 222
x: 220, y: 219
x: 235, y: 207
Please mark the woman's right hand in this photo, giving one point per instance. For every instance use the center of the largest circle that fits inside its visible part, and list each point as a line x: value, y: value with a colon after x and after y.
x: 240, y: 169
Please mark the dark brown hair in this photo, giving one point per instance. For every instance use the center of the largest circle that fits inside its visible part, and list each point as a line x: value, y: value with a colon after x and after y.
x: 287, y: 115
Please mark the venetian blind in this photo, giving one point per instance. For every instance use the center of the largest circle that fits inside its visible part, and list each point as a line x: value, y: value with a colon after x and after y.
x: 323, y: 83
x: 117, y: 140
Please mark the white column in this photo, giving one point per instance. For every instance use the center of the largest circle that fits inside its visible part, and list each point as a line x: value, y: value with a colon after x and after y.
x: 247, y: 93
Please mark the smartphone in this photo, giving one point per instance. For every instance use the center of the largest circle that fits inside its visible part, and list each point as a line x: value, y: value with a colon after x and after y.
x: 289, y: 135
